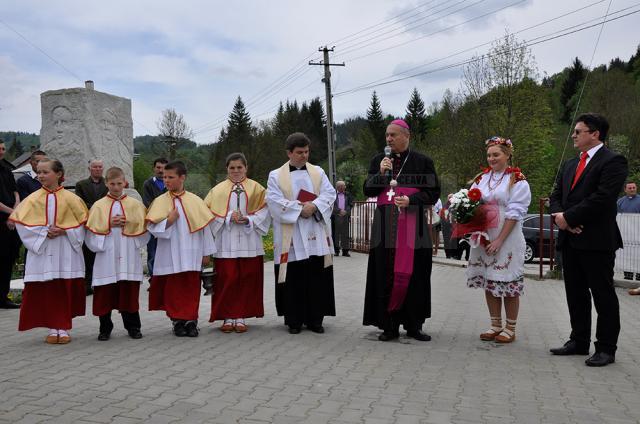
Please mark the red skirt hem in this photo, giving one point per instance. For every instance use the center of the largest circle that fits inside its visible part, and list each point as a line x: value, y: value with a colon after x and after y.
x: 176, y: 294
x: 238, y: 289
x: 122, y: 296
x: 52, y: 304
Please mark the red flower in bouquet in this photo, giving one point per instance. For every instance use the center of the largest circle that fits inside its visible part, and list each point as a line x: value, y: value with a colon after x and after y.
x: 475, y: 194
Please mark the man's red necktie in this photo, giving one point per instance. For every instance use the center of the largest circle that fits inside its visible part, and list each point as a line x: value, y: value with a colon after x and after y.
x: 581, y: 165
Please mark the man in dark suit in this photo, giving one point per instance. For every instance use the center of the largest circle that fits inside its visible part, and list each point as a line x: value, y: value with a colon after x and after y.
x: 9, y: 240
x: 583, y: 204
x: 29, y: 183
x: 90, y: 191
x: 340, y: 217
x: 152, y: 188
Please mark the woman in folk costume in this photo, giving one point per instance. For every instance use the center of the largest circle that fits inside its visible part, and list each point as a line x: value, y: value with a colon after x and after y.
x: 497, y: 265
x: 50, y: 222
x: 241, y: 219
x: 117, y: 232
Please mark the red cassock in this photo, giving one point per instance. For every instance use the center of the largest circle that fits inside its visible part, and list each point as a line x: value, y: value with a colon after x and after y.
x: 237, y: 292
x: 52, y: 304
x: 177, y: 294
x: 122, y: 296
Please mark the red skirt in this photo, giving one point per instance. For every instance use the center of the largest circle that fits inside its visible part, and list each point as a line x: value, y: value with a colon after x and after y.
x: 122, y: 295
x: 177, y: 294
x: 52, y: 304
x: 237, y: 292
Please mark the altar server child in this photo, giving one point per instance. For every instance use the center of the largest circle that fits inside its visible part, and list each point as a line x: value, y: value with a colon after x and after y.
x: 180, y: 221
x: 50, y: 222
x: 117, y: 232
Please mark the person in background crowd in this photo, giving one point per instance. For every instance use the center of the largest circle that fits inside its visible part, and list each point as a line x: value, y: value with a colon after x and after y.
x: 9, y: 240
x: 29, y: 183
x: 630, y: 203
x: 152, y: 188
x: 340, y: 219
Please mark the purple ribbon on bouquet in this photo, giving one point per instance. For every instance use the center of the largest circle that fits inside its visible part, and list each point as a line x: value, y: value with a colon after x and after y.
x: 405, y: 243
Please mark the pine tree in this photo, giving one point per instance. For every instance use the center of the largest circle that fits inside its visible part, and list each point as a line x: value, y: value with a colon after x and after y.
x: 375, y: 120
x: 416, y: 117
x: 575, y: 76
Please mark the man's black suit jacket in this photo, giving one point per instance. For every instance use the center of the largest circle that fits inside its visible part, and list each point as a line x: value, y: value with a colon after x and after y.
x: 592, y: 202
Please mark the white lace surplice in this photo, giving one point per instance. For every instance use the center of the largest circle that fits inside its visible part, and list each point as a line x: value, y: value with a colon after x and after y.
x: 501, y: 274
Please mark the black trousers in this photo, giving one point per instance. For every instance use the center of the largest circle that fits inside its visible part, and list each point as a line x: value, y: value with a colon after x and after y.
x: 131, y: 320
x: 589, y: 274
x: 9, y: 248
x: 341, y: 233
x: 89, y: 259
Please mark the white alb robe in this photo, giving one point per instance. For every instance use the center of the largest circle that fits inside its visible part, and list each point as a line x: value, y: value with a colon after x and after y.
x: 240, y: 241
x: 117, y: 256
x: 178, y: 249
x: 309, y: 235
x: 50, y: 259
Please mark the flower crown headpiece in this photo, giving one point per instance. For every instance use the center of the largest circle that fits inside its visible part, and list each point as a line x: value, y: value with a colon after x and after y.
x: 495, y: 140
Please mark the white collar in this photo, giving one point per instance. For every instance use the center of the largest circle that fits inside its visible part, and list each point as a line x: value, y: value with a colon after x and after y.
x: 592, y: 151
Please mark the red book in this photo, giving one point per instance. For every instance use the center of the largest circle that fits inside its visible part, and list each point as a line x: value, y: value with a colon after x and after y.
x: 306, y: 196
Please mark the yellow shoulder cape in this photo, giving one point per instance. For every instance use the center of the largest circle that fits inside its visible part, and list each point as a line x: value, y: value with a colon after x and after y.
x: 99, y: 221
x: 71, y: 212
x: 218, y: 197
x: 198, y: 214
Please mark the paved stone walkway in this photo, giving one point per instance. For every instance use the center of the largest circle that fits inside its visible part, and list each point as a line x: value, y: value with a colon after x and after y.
x: 343, y: 376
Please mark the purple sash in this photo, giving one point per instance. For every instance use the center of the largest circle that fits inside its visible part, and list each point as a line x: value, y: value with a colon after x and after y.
x: 405, y: 243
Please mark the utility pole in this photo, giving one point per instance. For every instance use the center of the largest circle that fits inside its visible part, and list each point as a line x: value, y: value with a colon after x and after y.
x: 331, y: 144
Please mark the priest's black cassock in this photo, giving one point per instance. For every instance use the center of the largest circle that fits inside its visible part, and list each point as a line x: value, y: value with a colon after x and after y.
x: 418, y: 172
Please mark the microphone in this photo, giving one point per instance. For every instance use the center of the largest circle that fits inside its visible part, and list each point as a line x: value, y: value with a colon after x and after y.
x: 387, y: 154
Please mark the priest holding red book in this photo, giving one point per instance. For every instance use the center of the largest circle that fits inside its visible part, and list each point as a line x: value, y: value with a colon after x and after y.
x: 300, y: 199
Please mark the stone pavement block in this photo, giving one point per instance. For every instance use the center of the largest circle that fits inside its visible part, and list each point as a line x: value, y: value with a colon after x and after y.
x: 32, y: 419
x: 264, y: 413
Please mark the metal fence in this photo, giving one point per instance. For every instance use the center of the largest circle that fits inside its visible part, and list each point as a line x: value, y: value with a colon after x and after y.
x: 628, y: 258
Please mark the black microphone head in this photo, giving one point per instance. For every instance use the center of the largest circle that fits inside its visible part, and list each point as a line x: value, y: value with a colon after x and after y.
x: 387, y: 151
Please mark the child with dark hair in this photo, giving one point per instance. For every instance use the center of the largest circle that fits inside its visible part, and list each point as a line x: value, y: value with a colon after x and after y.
x: 180, y: 221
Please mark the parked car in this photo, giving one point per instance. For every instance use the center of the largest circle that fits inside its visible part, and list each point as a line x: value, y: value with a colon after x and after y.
x: 531, y: 230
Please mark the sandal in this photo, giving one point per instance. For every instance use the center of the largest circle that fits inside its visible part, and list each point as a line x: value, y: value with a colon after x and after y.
x: 63, y: 337
x: 508, y: 334
x: 52, y: 337
x: 491, y: 333
x: 228, y: 326
x: 241, y: 327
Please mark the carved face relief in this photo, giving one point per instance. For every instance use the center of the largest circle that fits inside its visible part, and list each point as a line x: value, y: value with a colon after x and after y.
x: 62, y: 120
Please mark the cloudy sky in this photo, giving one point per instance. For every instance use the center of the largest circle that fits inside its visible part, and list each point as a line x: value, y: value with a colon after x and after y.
x: 198, y: 56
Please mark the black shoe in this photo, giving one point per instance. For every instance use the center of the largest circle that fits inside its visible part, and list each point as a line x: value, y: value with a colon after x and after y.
x: 317, y: 329
x: 135, y: 333
x: 179, y: 329
x: 600, y: 359
x: 294, y: 330
x: 419, y: 335
x: 191, y: 329
x: 570, y: 348
x: 346, y: 254
x: 388, y: 336
x: 7, y: 304
x: 103, y: 337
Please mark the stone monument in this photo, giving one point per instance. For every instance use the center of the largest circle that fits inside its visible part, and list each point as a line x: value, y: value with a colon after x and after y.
x: 80, y: 124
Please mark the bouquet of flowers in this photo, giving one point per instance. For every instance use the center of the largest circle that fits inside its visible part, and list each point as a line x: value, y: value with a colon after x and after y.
x: 463, y: 205
x: 470, y: 215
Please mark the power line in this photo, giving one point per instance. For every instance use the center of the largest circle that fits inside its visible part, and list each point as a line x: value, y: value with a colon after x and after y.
x: 438, y: 31
x: 402, y: 23
x: 490, y: 42
x: 532, y: 42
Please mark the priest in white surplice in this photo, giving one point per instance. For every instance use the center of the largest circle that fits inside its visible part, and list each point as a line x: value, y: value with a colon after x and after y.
x: 116, y: 233
x: 300, y: 199
x: 180, y: 221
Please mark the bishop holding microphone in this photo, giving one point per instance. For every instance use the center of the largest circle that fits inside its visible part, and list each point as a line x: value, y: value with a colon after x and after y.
x: 398, y: 288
